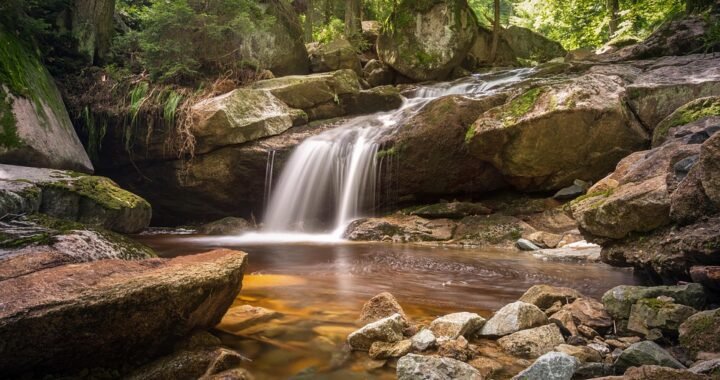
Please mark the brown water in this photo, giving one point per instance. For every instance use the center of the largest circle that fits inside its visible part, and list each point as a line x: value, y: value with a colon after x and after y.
x: 320, y: 289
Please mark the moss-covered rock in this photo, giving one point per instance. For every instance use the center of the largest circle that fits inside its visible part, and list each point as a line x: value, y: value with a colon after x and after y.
x: 35, y: 129
x: 429, y: 38
x: 82, y: 198
x: 700, y: 332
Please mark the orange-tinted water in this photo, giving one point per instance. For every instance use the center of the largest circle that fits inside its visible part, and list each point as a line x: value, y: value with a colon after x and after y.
x: 320, y: 290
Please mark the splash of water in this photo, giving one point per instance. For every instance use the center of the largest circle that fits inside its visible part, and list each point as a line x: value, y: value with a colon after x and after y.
x: 331, y: 179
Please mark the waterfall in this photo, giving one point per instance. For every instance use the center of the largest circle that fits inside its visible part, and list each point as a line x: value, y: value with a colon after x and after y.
x: 332, y: 178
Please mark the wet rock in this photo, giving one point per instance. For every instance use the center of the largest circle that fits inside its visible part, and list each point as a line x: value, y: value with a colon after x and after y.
x: 39, y: 132
x: 590, y: 313
x: 513, y: 318
x: 565, y: 321
x: 86, y: 199
x: 658, y: 313
x: 381, y: 306
x: 385, y: 330
x: 418, y: 367
x: 226, y: 226
x: 543, y: 296
x: 401, y: 228
x: 700, y: 332
x: 245, y: 316
x: 619, y: 300
x: 526, y: 245
x: 68, y: 316
x: 550, y: 366
x: 450, y: 210
x: 582, y: 353
x: 457, y: 349
x: 423, y: 340
x: 646, y: 353
x: 514, y: 137
x: 335, y: 55
x: 431, y: 44
x: 532, y: 343
x: 387, y: 350
x: 454, y: 325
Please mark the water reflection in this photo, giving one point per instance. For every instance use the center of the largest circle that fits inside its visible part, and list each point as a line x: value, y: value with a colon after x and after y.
x: 321, y: 288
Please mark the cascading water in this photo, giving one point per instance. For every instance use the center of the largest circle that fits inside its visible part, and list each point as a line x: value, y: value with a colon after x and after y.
x: 330, y: 179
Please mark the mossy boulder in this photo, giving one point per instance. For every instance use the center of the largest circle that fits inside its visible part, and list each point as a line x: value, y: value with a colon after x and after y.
x: 550, y: 134
x: 83, y: 198
x: 239, y: 116
x: 35, y: 129
x: 700, y: 332
x: 671, y: 82
x: 428, y: 38
x: 335, y: 55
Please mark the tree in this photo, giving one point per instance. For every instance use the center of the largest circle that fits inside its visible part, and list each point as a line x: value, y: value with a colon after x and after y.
x: 496, y: 32
x: 353, y: 25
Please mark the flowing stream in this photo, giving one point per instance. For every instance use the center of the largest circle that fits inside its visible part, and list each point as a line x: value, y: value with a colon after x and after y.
x: 332, y: 178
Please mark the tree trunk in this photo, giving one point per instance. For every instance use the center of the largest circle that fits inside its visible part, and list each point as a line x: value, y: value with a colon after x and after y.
x: 496, y: 32
x: 309, y: 22
x: 353, y: 24
x: 613, y: 8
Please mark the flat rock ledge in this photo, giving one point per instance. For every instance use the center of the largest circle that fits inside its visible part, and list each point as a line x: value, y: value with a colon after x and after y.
x: 112, y: 312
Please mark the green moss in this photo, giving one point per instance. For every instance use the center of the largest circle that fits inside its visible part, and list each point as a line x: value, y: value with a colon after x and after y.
x: 102, y: 190
x: 521, y: 105
x: 8, y: 124
x: 687, y: 114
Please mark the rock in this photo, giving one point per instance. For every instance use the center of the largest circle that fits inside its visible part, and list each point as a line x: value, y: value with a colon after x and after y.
x: 573, y: 191
x: 513, y: 318
x: 646, y: 353
x: 532, y: 343
x: 670, y: 83
x: 543, y: 296
x: 418, y: 367
x: 655, y: 372
x: 226, y: 226
x: 479, y: 54
x: 619, y: 300
x: 288, y: 55
x: 583, y: 353
x: 454, y: 325
x: 699, y: 332
x: 335, y: 55
x: 429, y: 39
x: 245, y: 316
x: 515, y: 137
x: 656, y: 313
x: 708, y: 276
x: 378, y: 73
x: 387, y: 350
x: 550, y: 366
x: 400, y: 227
x: 565, y: 321
x: 590, y: 313
x: 593, y: 370
x: 385, y: 330
x: 80, y: 312
x: 457, y: 349
x: 423, y: 340
x: 240, y: 116
x: 450, y: 210
x: 527, y: 44
x: 77, y: 197
x: 381, y: 306
x: 526, y: 245
x: 707, y: 367
x: 495, y: 230
x: 36, y: 127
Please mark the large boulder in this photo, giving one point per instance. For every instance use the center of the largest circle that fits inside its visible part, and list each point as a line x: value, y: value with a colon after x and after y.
x: 65, y: 317
x: 429, y: 39
x: 547, y: 136
x: 670, y: 82
x: 35, y: 128
x: 77, y: 197
x: 528, y: 44
x: 418, y: 367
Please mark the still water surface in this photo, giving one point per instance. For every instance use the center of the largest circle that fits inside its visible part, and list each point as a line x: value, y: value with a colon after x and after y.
x: 320, y: 289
